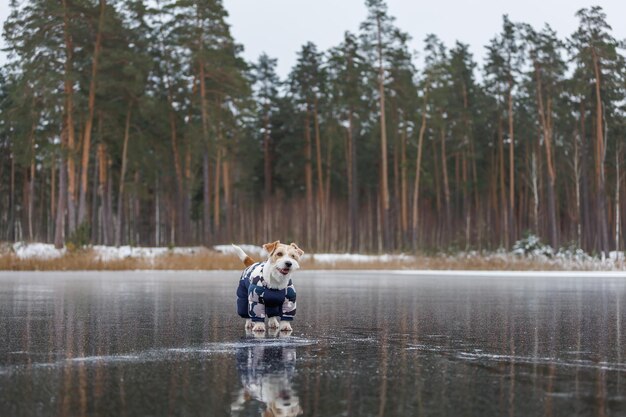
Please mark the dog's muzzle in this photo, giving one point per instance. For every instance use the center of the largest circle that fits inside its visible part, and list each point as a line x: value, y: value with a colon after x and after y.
x: 286, y: 269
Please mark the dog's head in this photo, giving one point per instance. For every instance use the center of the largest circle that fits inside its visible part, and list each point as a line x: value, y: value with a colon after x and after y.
x: 283, y: 257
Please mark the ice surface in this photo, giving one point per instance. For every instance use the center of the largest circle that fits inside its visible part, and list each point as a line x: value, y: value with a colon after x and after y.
x: 430, y: 342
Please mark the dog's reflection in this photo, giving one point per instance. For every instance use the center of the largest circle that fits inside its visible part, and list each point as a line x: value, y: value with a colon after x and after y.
x: 266, y: 370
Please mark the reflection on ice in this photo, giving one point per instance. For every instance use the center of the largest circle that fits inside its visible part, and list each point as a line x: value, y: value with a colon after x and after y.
x: 266, y: 371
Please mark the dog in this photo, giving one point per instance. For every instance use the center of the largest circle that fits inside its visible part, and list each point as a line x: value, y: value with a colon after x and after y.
x: 266, y: 289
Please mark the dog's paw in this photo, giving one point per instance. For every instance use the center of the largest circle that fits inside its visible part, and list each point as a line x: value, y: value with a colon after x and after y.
x: 285, y: 326
x: 273, y: 323
x: 258, y: 327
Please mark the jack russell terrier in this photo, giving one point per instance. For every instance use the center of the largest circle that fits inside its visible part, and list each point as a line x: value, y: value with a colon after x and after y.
x: 265, y: 288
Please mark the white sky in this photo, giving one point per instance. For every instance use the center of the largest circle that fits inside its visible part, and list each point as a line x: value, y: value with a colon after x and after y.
x: 281, y: 27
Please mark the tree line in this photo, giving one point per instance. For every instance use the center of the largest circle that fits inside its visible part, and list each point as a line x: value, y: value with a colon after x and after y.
x: 136, y: 122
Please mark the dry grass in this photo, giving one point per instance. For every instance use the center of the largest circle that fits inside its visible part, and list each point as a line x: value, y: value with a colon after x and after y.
x: 210, y: 260
x: 87, y: 261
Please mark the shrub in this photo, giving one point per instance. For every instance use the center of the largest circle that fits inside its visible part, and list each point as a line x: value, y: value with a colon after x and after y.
x: 531, y: 245
x: 79, y: 238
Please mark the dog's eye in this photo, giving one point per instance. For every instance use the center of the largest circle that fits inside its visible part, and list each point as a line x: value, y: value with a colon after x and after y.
x: 279, y: 254
x: 293, y: 256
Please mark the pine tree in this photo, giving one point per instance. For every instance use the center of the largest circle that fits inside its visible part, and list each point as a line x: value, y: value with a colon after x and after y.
x: 503, y: 62
x: 377, y: 31
x: 347, y: 69
x: 307, y: 83
x: 546, y: 79
x: 598, y: 63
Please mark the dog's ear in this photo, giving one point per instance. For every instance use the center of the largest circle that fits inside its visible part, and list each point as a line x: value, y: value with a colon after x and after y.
x: 270, y: 247
x: 300, y: 251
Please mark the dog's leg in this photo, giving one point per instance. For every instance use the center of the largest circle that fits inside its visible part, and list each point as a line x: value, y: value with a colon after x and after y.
x: 285, y: 326
x: 258, y: 327
x: 273, y: 323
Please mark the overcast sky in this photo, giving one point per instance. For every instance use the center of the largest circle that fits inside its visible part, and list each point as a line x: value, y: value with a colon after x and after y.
x: 281, y: 27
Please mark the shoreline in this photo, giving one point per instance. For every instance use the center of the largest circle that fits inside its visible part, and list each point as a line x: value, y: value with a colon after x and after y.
x: 42, y: 257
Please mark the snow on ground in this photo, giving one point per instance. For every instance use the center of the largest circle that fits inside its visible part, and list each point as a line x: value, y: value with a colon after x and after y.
x: 357, y: 258
x: 331, y: 258
x: 104, y: 253
x: 111, y: 253
x: 37, y: 250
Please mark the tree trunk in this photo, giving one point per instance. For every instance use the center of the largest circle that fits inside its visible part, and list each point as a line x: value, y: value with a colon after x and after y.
x: 535, y: 189
x: 321, y: 216
x: 267, y: 161
x: 59, y: 228
x: 31, y: 200
x: 102, y: 179
x: 505, y: 209
x: 352, y: 186
x: 177, y: 164
x: 31, y: 185
x: 404, y: 192
x: 446, y: 185
x: 617, y: 200
x: 227, y: 196
x: 120, y: 195
x: 327, y: 218
x: 600, y: 157
x: 512, y: 228
x: 82, y: 203
x: 585, y: 193
x: 11, y: 219
x: 157, y: 212
x: 437, y: 196
x: 53, y: 206
x: 308, y: 176
x: 206, y: 187
x: 384, y: 181
x: 216, y: 198
x: 70, y: 193
x: 206, y: 195
x: 578, y: 193
x: 418, y: 171
x: 545, y: 116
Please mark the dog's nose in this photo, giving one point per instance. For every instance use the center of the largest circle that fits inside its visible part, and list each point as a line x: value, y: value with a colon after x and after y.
x: 288, y: 264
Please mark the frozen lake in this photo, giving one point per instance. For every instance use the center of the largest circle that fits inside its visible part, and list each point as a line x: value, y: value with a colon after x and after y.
x: 364, y: 344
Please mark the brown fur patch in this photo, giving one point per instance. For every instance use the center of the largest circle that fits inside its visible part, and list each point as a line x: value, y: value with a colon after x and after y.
x: 248, y: 261
x: 270, y: 247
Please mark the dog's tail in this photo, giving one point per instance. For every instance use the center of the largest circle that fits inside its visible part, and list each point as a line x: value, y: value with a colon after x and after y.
x: 247, y: 260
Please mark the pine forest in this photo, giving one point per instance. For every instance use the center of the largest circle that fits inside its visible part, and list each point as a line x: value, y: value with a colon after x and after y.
x: 132, y: 122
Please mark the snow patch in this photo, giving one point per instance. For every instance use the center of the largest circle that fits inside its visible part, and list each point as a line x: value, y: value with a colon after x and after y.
x: 25, y: 250
x: 111, y: 253
x: 36, y: 250
x: 357, y: 258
